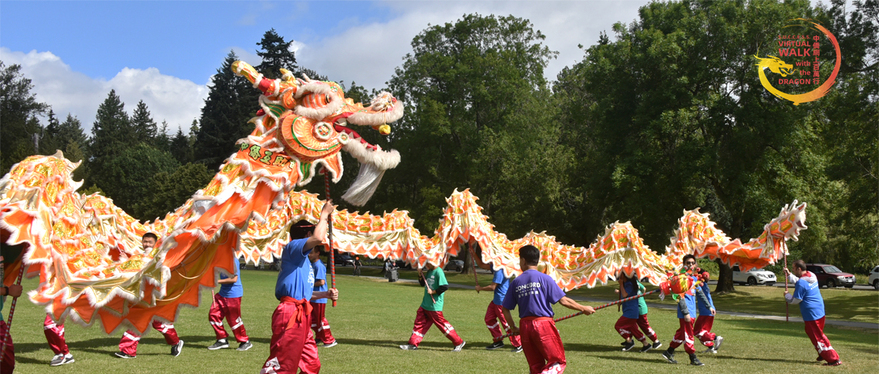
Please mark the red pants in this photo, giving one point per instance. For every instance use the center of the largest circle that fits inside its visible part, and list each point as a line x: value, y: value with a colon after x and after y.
x: 628, y: 327
x: 424, y: 319
x: 703, y: 330
x: 128, y: 344
x: 230, y: 309
x: 494, y: 320
x: 645, y: 326
x: 542, y: 345
x: 292, y: 344
x: 8, y: 350
x: 684, y: 335
x: 319, y: 323
x: 815, y: 330
x: 55, y: 336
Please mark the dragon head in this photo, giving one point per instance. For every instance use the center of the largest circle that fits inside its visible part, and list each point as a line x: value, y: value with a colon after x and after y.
x: 775, y: 65
x: 308, y: 121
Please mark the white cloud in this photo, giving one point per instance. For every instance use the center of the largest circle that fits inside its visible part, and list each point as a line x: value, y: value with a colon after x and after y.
x: 369, y: 53
x: 170, y: 99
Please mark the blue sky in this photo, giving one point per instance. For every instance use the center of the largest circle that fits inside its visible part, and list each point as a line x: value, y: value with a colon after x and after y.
x: 165, y: 52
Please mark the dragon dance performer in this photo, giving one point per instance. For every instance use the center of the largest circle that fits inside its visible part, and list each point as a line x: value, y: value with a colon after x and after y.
x: 686, y: 309
x: 643, y: 323
x: 293, y: 343
x: 55, y: 337
x: 8, y: 350
x: 627, y: 325
x: 534, y: 293
x: 130, y: 339
x: 705, y: 321
x: 431, y: 310
x: 807, y: 294
x: 494, y: 315
x: 227, y: 304
x: 319, y: 324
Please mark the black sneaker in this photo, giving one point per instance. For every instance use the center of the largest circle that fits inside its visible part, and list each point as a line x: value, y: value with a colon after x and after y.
x: 219, y: 344
x: 495, y: 345
x: 834, y: 363
x: 657, y: 344
x: 670, y: 357
x: 628, y: 346
x: 245, y: 346
x: 646, y: 348
x: 124, y: 355
x: 819, y: 359
x: 177, y: 348
x: 695, y: 360
x: 623, y: 344
x: 516, y: 349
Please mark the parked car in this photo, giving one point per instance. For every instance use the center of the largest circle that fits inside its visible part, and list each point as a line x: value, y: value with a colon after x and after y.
x: 753, y: 277
x: 343, y: 259
x: 873, y: 279
x: 455, y: 265
x: 831, y: 276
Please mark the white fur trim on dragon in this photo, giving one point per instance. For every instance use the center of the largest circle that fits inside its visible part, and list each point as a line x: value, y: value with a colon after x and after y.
x: 372, y: 167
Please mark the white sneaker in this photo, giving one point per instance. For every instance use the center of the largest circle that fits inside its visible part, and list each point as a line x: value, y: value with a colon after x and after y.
x: 717, y: 341
x: 459, y: 347
x: 333, y: 344
x: 408, y: 347
x: 61, y: 359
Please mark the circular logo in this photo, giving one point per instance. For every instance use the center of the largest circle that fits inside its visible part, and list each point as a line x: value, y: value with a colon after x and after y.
x: 797, y: 65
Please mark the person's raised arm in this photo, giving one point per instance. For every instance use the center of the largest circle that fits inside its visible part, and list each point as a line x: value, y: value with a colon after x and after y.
x: 320, y: 230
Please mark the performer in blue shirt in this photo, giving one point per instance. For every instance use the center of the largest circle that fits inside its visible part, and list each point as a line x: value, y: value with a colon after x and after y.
x: 494, y: 315
x: 227, y: 304
x: 319, y: 323
x: 807, y: 294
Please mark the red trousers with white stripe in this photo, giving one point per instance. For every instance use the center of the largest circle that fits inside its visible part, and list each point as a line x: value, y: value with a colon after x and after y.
x: 55, y: 336
x: 495, y: 320
x: 815, y: 331
x: 8, y: 350
x: 230, y: 309
x: 703, y: 330
x: 628, y: 327
x: 292, y: 345
x: 542, y: 345
x: 424, y: 319
x: 645, y: 326
x: 128, y: 344
x: 684, y: 336
x: 319, y: 324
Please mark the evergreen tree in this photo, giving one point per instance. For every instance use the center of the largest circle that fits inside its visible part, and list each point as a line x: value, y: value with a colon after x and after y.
x: 112, y: 133
x: 18, y: 110
x: 143, y: 124
x: 49, y: 139
x: 180, y: 148
x: 276, y: 54
x: 232, y: 101
x: 162, y: 140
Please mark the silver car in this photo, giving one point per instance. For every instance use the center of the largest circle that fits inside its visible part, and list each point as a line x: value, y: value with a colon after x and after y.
x: 753, y: 277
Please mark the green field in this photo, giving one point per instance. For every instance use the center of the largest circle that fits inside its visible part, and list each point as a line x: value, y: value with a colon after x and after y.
x: 374, y: 317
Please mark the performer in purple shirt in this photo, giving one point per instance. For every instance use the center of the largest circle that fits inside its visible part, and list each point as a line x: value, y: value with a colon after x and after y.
x: 534, y: 293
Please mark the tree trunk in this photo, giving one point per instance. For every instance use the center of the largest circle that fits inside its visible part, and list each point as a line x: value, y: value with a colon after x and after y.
x: 464, y: 255
x: 724, y: 280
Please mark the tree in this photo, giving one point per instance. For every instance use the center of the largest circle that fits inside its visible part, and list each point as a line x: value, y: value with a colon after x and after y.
x: 130, y: 177
x: 145, y: 128
x: 18, y: 111
x: 671, y: 115
x: 172, y: 189
x: 112, y: 133
x: 162, y: 140
x: 276, y: 54
x: 232, y: 101
x: 180, y: 148
x: 479, y: 116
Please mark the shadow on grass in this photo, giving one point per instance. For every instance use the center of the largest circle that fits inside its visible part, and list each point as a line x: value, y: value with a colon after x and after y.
x: 431, y: 346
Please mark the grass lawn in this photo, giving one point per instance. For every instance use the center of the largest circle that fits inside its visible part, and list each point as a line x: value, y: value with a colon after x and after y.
x: 374, y: 317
